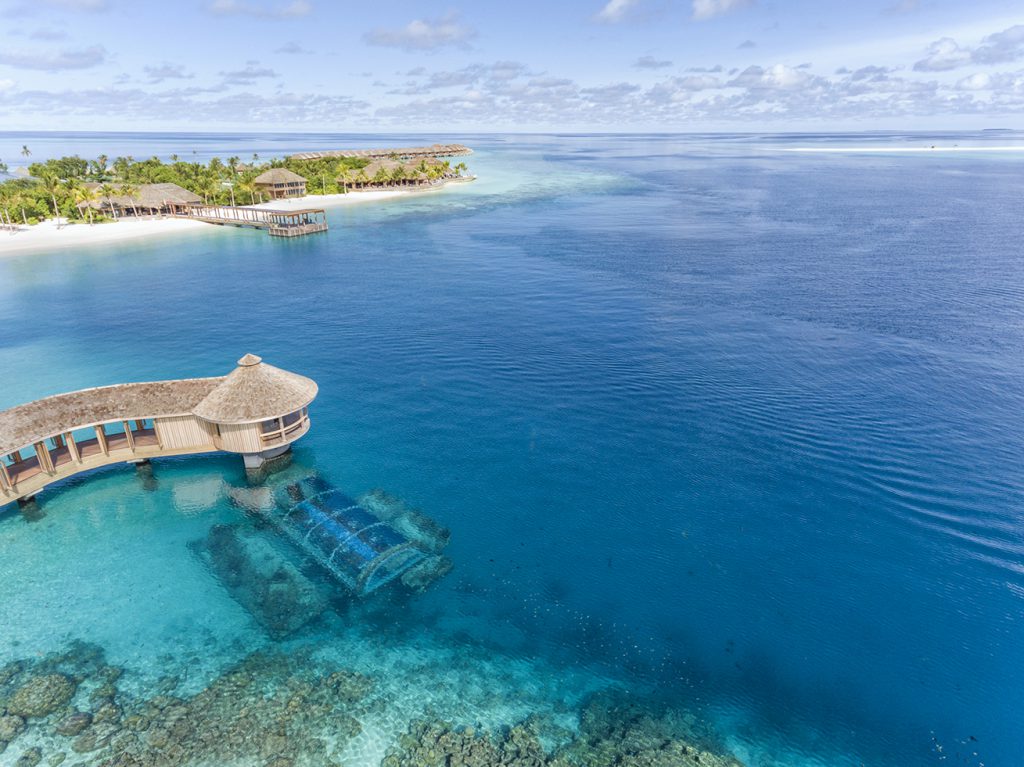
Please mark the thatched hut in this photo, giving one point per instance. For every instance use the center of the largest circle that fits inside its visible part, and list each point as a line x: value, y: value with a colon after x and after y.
x: 148, y: 200
x: 280, y: 184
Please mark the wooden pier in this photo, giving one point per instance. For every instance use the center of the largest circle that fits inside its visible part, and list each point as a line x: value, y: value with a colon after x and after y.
x: 278, y: 223
x: 256, y: 411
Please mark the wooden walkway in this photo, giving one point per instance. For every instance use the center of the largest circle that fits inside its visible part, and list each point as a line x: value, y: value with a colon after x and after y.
x: 51, y: 439
x: 279, y: 223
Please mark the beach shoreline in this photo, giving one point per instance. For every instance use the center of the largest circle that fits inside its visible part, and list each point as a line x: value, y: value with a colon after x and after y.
x: 46, y: 236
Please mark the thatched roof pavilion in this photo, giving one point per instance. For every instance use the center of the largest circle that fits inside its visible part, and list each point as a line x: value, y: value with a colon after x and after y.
x: 281, y: 183
x: 255, y: 391
x: 257, y: 410
x: 148, y: 197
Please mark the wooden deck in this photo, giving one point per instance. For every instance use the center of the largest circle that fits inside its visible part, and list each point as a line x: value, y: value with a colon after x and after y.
x: 278, y: 223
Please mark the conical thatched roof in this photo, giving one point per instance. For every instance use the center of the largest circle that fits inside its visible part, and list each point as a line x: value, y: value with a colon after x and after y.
x: 276, y: 176
x: 256, y: 391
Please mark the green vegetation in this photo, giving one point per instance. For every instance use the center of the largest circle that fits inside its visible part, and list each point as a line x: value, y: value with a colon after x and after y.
x: 57, y: 187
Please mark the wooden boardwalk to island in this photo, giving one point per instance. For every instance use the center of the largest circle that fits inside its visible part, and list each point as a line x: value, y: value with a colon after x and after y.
x: 278, y: 223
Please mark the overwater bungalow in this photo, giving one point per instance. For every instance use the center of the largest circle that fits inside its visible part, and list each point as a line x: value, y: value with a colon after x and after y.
x: 256, y: 411
x: 280, y: 184
x: 398, y: 174
x: 147, y: 200
x: 397, y: 153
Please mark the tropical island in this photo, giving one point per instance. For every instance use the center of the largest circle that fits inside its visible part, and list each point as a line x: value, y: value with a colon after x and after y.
x: 49, y: 195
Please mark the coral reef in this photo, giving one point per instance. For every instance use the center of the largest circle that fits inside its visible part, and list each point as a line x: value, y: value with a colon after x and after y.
x: 275, y: 709
x: 412, y: 523
x: 613, y: 732
x: 275, y: 593
x: 41, y: 695
x: 269, y: 709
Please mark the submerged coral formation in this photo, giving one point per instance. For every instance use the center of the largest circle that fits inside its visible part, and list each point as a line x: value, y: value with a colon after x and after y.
x: 277, y: 709
x: 613, y: 733
x: 270, y: 709
x: 270, y: 587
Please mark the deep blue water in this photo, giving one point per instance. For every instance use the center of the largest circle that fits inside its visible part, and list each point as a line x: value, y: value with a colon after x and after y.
x: 738, y: 426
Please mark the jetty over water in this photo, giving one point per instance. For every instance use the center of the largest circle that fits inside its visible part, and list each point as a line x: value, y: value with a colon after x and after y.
x: 400, y: 153
x: 256, y: 411
x: 279, y: 223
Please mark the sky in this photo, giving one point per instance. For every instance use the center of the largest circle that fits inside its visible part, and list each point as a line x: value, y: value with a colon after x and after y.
x: 528, y: 65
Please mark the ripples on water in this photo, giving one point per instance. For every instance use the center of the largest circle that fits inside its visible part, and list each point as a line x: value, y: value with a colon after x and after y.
x: 734, y: 429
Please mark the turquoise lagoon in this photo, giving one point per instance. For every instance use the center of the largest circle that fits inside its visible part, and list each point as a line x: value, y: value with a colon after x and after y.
x: 728, y: 429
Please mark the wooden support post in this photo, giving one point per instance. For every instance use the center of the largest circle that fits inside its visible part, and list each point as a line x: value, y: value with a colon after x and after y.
x: 73, y: 448
x: 128, y: 434
x: 5, y: 478
x: 43, y: 454
x: 101, y: 437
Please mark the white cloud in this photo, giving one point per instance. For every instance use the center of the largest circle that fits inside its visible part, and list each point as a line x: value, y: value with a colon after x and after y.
x: 650, y: 62
x: 997, y: 48
x: 292, y: 8
x: 1001, y: 47
x: 6, y: 85
x: 424, y: 34
x: 615, y: 10
x: 292, y: 49
x: 55, y: 62
x: 706, y: 9
x: 249, y: 75
x: 943, y: 54
x: 157, y: 74
x: 979, y: 81
x: 777, y: 77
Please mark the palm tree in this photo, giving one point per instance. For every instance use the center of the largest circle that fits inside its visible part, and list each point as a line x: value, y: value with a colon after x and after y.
x: 52, y: 185
x: 130, y: 190
x: 83, y: 197
x: 3, y: 167
x: 25, y: 151
x: 233, y: 165
x: 247, y: 186
x: 108, y: 191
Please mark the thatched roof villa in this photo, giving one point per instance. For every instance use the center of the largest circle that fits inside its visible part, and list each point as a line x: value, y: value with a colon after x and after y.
x: 281, y: 183
x: 149, y: 199
x: 256, y: 411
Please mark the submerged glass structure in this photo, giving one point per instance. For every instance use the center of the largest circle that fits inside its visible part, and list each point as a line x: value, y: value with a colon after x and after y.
x: 358, y: 548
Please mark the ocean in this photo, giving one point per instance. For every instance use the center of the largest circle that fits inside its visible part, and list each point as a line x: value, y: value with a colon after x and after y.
x: 731, y: 431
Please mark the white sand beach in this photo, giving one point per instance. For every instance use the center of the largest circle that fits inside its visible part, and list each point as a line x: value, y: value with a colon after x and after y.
x: 47, y: 236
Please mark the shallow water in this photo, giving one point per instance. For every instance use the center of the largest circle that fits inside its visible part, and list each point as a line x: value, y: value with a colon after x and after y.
x: 735, y: 429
